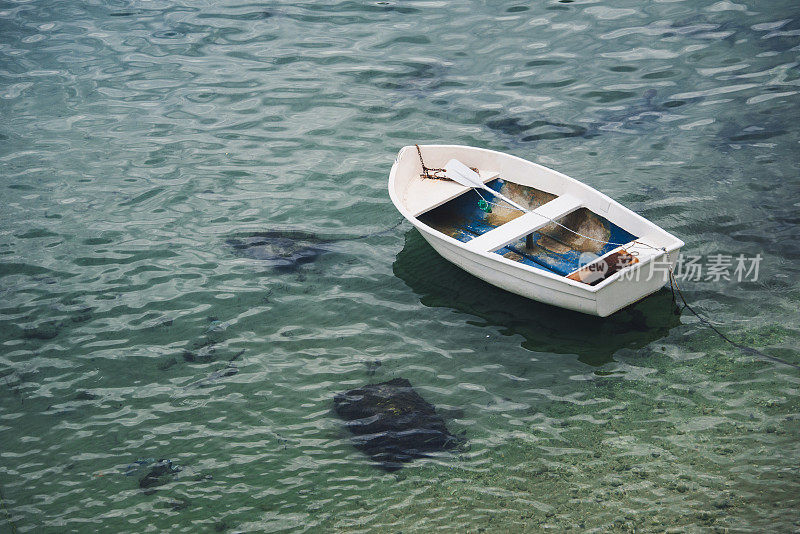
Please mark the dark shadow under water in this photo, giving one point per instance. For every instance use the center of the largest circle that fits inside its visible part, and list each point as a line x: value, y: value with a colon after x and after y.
x: 545, y: 328
x: 392, y: 424
x: 286, y: 250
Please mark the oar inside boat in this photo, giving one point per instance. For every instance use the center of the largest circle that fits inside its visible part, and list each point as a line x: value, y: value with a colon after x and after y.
x: 460, y: 173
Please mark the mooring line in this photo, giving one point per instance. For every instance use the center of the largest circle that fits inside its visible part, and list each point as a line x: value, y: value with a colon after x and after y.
x: 374, y: 234
x: 706, y: 322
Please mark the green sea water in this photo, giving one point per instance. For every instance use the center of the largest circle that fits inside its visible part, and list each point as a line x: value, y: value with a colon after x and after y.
x: 137, y: 138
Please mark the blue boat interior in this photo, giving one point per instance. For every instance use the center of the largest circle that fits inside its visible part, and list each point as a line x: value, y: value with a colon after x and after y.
x: 554, y: 248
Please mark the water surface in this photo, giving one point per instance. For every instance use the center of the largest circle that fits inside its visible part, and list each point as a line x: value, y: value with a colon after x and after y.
x: 137, y: 138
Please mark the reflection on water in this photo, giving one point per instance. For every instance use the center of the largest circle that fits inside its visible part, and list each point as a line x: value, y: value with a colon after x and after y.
x: 545, y: 328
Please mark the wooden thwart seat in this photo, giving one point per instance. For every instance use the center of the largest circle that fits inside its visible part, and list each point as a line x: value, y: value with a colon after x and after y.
x: 525, y: 224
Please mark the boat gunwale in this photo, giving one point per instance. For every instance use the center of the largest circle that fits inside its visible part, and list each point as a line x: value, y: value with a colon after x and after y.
x: 675, y: 243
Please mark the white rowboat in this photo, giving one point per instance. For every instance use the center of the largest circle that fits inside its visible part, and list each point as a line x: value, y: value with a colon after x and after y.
x: 572, y: 247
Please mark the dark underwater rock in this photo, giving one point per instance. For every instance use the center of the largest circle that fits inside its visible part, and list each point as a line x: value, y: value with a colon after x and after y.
x: 84, y: 395
x: 535, y: 129
x: 167, y: 363
x: 177, y: 505
x: 284, y: 250
x: 216, y: 376
x: 392, y: 423
x: 158, y: 475
x: 200, y: 350
x: 44, y: 331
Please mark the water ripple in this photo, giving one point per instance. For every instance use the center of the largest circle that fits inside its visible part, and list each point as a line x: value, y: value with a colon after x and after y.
x: 138, y: 138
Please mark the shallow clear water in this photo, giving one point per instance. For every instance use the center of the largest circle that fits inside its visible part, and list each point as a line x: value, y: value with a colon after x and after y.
x: 138, y: 137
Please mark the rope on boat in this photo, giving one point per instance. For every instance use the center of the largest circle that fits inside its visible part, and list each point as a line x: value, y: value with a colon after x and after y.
x: 428, y: 172
x: 375, y: 234
x: 567, y: 228
x: 673, y: 282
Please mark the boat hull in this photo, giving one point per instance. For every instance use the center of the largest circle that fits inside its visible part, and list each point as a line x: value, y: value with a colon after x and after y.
x: 541, y: 289
x: 618, y: 291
